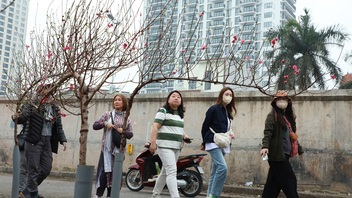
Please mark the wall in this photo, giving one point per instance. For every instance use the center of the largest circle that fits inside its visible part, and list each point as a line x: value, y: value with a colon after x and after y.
x: 323, y: 122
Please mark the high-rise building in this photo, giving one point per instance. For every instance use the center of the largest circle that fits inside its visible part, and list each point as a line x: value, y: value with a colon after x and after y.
x: 13, y: 24
x: 211, y: 23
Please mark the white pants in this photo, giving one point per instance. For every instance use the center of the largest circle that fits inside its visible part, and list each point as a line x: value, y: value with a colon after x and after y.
x: 168, y: 172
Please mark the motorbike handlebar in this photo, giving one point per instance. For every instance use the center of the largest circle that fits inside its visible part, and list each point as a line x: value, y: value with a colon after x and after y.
x: 186, y: 140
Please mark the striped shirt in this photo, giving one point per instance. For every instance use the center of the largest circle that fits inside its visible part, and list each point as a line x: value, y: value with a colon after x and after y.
x: 170, y: 134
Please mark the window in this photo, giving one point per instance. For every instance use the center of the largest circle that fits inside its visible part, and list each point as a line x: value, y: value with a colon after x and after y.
x: 216, y: 14
x: 248, y: 18
x: 268, y: 14
x: 218, y: 22
x: 248, y: 9
x: 207, y: 85
x: 192, y: 84
x: 218, y: 31
x: 268, y: 5
x: 265, y: 83
x: 268, y: 24
x: 247, y: 27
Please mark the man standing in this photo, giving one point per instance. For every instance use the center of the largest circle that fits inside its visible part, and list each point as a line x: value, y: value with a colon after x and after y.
x: 43, y: 131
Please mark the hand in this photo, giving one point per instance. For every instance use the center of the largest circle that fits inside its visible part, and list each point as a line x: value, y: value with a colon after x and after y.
x: 119, y: 129
x: 110, y: 126
x: 152, y: 147
x: 202, y: 147
x: 232, y: 135
x: 187, y: 139
x: 65, y: 145
x: 264, y: 151
x: 15, y: 116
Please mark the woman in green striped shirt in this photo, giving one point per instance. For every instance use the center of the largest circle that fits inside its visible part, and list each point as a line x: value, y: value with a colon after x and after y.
x: 167, y: 136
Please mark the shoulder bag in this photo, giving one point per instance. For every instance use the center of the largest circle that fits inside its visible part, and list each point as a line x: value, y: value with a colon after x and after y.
x: 115, y: 135
x: 223, y: 140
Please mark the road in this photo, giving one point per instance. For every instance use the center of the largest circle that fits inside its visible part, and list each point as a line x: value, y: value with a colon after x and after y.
x: 60, y: 188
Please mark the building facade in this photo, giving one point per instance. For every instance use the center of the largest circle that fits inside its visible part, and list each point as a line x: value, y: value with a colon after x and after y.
x: 195, y: 24
x: 13, y: 25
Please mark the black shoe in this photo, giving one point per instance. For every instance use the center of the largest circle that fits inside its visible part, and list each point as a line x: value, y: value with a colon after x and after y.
x: 34, y: 194
x: 25, y: 193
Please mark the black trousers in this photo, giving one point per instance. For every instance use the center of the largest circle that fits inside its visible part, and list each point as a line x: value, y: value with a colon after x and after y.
x: 280, y: 177
x: 39, y: 162
x: 103, y: 178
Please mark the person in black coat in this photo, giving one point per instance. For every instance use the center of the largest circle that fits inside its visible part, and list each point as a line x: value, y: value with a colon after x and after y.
x: 43, y: 131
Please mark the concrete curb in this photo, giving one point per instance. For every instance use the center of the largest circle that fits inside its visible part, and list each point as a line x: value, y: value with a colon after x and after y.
x: 258, y: 191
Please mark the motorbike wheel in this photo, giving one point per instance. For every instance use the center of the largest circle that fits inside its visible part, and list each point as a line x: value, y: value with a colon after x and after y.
x: 133, y: 180
x: 194, y: 185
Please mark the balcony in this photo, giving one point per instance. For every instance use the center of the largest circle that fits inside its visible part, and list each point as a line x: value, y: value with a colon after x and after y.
x: 191, y: 2
x: 218, y: 15
x: 247, y: 2
x: 217, y: 7
x: 247, y: 11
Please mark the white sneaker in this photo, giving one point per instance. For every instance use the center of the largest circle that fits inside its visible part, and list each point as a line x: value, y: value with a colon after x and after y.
x: 154, y: 178
x: 155, y: 196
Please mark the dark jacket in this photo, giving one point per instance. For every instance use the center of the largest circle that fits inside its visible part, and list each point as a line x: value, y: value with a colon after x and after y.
x: 273, y: 139
x: 216, y: 118
x: 33, y: 118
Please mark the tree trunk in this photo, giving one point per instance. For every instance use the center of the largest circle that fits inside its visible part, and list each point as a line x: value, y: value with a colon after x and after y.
x: 83, y: 133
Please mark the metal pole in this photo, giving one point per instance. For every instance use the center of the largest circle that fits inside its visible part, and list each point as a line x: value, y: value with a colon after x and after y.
x: 15, y: 171
x: 117, y: 175
x: 84, y: 179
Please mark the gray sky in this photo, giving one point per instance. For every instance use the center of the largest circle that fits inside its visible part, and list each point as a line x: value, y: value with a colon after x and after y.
x: 324, y: 13
x: 327, y: 13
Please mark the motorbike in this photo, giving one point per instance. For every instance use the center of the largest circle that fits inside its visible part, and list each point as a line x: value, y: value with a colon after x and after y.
x: 145, y: 171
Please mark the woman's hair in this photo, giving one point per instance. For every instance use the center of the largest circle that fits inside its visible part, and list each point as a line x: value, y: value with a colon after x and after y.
x: 231, y: 107
x: 289, y: 114
x: 124, y: 101
x: 180, y: 109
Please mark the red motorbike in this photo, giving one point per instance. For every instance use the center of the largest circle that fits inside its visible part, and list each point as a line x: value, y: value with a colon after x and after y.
x: 145, y: 171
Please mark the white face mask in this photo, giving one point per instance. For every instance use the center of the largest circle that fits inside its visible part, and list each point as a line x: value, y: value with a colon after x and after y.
x: 282, y: 104
x: 226, y: 99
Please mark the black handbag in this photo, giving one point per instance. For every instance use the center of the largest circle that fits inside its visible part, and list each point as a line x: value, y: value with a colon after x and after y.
x: 21, y: 141
x: 115, y: 135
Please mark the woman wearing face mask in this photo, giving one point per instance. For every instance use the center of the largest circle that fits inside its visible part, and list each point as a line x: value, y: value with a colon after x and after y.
x: 277, y: 146
x: 219, y: 118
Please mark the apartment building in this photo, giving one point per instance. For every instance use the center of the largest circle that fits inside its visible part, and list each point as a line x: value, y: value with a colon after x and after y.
x: 13, y: 24
x: 210, y: 23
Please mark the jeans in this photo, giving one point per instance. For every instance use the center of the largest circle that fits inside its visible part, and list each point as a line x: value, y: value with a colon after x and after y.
x: 39, y: 161
x: 168, y: 172
x: 218, y: 172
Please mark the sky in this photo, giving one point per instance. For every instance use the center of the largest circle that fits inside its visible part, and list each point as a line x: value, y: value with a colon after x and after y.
x: 324, y: 13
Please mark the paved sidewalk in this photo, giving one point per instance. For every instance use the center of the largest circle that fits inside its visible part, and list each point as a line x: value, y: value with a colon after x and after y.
x: 65, y: 180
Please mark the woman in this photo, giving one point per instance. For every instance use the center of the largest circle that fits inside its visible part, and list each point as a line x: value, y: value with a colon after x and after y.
x: 167, y: 135
x: 277, y: 147
x: 105, y: 165
x: 219, y: 118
